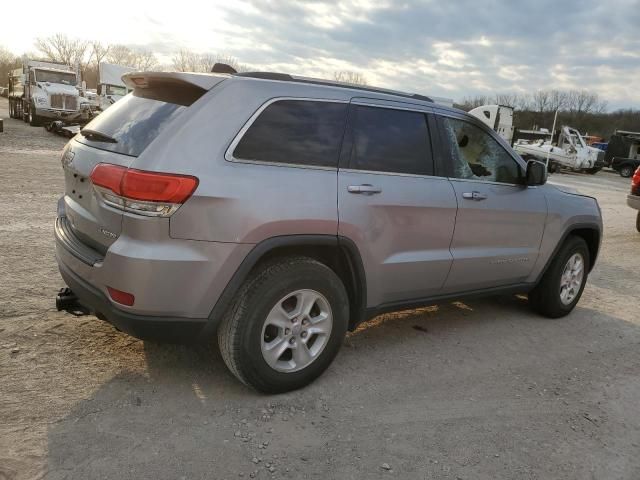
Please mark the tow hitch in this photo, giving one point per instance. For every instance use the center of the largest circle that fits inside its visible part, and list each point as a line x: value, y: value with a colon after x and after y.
x: 66, y: 300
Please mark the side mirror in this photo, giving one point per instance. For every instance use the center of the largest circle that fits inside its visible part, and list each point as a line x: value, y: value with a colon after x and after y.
x: 536, y: 173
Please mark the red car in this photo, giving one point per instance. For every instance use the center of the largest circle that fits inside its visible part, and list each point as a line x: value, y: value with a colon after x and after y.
x: 633, y: 199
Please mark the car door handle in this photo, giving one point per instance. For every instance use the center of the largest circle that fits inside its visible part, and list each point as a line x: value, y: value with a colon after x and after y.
x: 477, y: 196
x: 364, y: 189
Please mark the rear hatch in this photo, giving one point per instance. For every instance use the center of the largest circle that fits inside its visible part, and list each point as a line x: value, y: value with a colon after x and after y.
x: 117, y: 137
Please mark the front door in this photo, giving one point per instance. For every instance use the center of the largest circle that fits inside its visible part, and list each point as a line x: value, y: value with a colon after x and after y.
x: 399, y: 215
x: 500, y: 221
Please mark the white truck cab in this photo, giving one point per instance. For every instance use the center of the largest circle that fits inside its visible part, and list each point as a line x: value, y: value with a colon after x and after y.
x: 44, y: 91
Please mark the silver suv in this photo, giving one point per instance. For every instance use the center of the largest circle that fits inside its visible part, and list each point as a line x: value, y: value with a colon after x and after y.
x: 279, y: 212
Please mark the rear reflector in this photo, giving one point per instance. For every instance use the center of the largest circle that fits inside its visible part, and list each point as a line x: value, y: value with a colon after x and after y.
x: 143, y: 185
x: 121, y: 297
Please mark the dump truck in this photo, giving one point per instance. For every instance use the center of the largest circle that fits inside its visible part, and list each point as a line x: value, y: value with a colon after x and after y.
x: 44, y: 91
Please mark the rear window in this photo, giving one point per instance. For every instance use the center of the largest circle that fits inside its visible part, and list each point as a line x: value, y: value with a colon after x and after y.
x: 301, y: 132
x: 131, y: 124
x: 395, y: 141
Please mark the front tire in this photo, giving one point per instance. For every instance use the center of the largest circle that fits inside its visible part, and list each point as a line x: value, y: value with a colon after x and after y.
x: 561, y: 287
x: 34, y: 119
x: 626, y: 171
x: 286, y: 325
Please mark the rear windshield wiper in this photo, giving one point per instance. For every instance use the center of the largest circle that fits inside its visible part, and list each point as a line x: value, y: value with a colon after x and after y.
x: 97, y: 136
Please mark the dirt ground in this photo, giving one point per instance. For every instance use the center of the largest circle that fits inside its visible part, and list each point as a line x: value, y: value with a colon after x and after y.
x: 483, y: 389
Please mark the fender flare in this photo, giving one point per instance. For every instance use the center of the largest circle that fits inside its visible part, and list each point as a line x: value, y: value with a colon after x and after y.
x: 572, y: 228
x: 261, y: 249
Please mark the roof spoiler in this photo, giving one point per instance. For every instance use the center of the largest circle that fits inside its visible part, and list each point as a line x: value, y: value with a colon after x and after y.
x: 144, y: 80
x: 223, y: 68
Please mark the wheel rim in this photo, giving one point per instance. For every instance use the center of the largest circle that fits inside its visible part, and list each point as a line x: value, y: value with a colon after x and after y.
x: 296, y: 330
x: 571, y: 279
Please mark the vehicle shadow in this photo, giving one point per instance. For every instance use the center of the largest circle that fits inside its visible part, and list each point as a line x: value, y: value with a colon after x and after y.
x: 186, y: 416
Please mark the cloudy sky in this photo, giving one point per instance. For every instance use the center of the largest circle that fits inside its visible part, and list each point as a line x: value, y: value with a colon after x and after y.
x: 446, y: 48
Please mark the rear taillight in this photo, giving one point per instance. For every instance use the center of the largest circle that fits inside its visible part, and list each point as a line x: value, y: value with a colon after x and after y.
x: 635, y: 182
x: 139, y: 191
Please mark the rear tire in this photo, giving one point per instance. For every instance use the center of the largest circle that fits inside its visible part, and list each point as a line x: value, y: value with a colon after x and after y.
x: 266, y: 315
x: 626, y: 171
x: 559, y: 291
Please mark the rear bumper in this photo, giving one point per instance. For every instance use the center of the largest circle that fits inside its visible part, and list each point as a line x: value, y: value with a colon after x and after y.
x: 139, y: 326
x: 633, y: 201
x: 176, y: 283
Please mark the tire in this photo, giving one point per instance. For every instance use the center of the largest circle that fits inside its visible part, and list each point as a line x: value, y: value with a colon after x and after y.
x: 593, y: 170
x: 10, y: 109
x: 638, y: 221
x: 245, y: 329
x: 34, y: 120
x: 626, y: 171
x: 552, y: 167
x: 546, y: 298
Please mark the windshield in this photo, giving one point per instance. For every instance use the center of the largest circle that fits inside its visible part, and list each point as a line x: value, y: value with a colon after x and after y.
x: 116, y: 90
x: 56, y: 77
x: 129, y: 125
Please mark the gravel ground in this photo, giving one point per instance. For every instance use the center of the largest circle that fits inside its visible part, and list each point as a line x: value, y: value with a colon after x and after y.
x: 483, y: 389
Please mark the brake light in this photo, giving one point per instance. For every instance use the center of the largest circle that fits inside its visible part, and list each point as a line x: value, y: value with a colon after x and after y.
x: 148, y: 193
x: 635, y: 181
x: 121, y: 297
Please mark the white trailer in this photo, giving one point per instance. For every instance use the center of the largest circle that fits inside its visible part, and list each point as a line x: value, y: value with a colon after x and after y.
x: 498, y: 118
x: 111, y: 88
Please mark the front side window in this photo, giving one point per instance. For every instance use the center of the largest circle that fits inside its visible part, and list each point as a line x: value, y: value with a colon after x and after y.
x: 387, y: 140
x: 477, y: 155
x: 301, y: 132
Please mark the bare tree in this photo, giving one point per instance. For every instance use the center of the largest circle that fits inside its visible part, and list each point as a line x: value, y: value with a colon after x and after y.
x: 188, y: 61
x: 185, y: 61
x: 523, y: 102
x: 8, y: 62
x: 507, y: 99
x: 557, y: 100
x: 145, y: 60
x: 350, y: 77
x: 138, y: 59
x: 99, y: 51
x: 469, y: 103
x: 61, y: 48
x: 540, y: 101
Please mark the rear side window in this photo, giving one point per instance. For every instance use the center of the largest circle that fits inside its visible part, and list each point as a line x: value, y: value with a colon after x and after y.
x: 387, y: 140
x: 131, y: 124
x: 299, y: 132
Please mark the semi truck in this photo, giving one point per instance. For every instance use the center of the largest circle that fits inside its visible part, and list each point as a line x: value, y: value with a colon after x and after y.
x: 44, y: 91
x: 111, y: 88
x: 498, y: 118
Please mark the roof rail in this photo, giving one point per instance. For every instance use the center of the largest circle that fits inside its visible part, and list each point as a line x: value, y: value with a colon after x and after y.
x: 285, y: 77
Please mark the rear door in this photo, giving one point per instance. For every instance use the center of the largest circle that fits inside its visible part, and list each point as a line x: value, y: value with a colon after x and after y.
x: 500, y: 221
x: 399, y: 214
x: 118, y: 136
